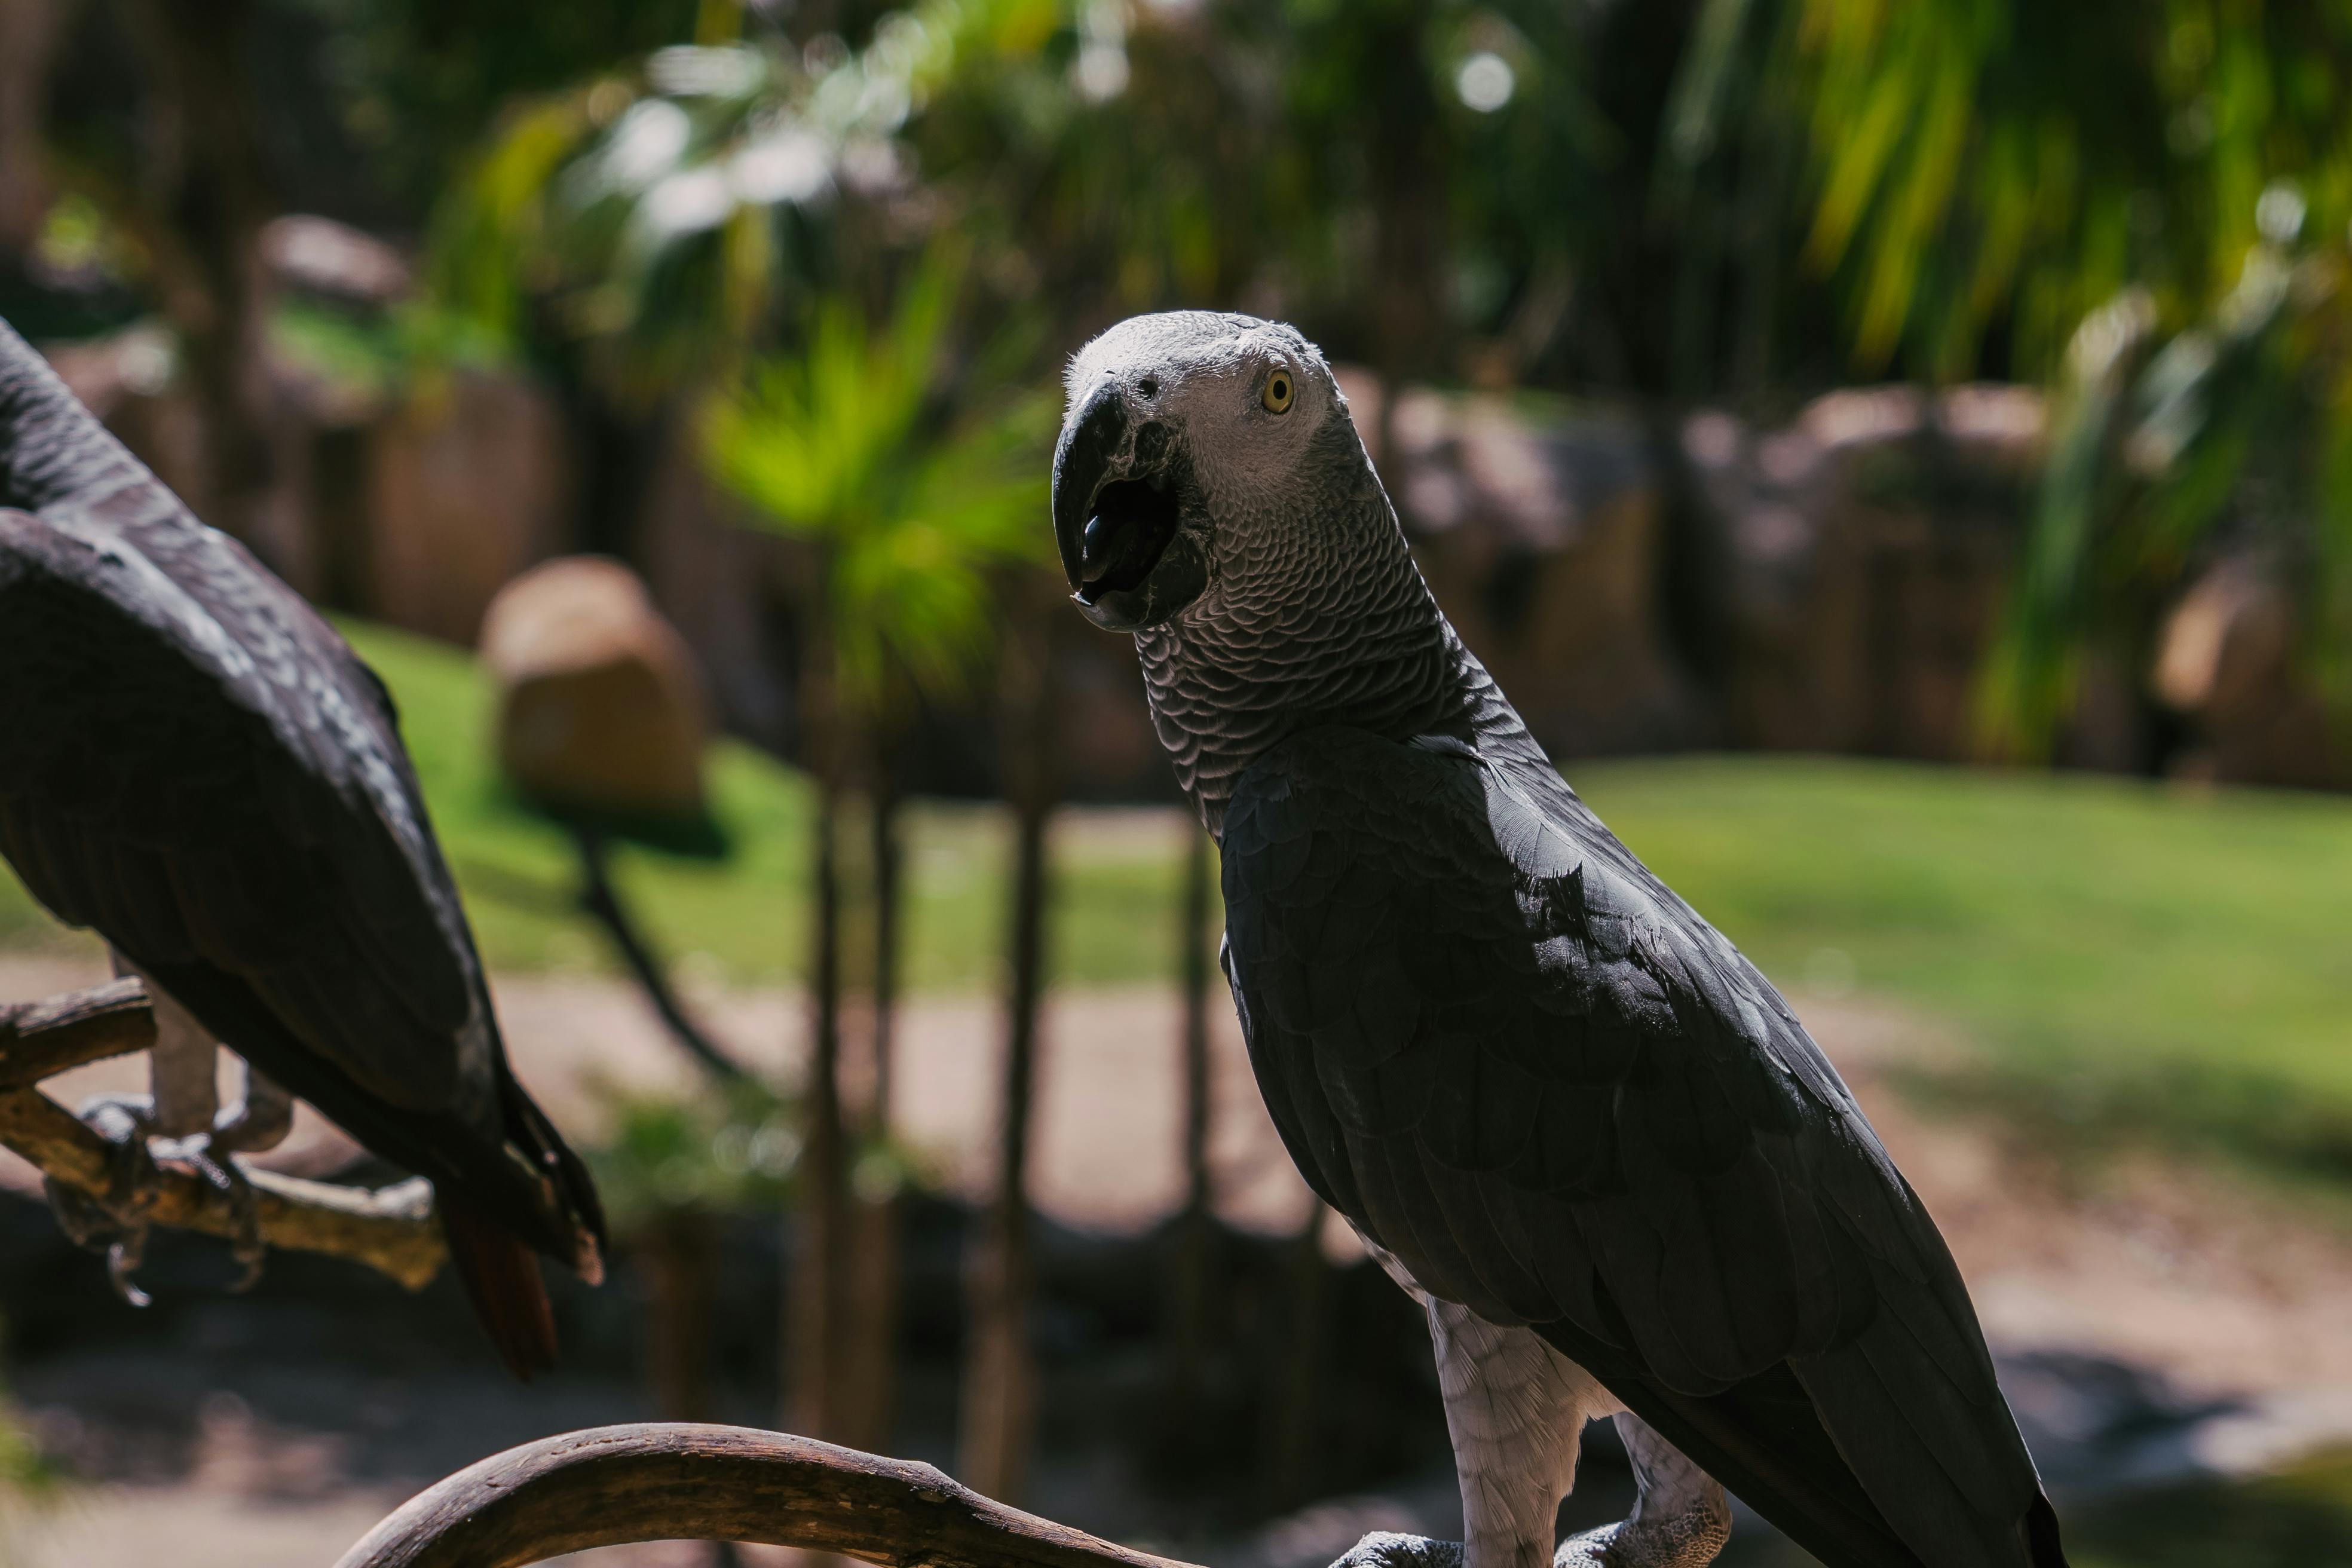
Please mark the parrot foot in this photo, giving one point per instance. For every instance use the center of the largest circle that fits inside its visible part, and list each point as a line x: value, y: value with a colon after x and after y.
x: 1387, y: 1549
x: 205, y: 1155
x: 1683, y: 1540
x: 116, y: 1223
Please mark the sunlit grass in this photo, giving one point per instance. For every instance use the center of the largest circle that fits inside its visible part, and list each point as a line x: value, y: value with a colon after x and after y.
x: 2132, y: 955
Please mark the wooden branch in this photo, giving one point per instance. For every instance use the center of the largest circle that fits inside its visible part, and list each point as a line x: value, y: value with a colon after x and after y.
x: 391, y: 1230
x: 611, y: 1486
x: 40, y: 1040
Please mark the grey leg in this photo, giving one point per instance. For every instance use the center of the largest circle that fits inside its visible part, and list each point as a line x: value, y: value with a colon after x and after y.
x: 258, y: 1121
x: 1515, y: 1409
x: 182, y: 1067
x: 1681, y: 1520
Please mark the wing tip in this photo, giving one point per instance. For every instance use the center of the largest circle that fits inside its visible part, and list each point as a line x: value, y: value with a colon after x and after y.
x: 501, y: 1277
x: 2043, y: 1547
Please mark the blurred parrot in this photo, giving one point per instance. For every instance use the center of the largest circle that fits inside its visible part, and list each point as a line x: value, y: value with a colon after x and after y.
x: 1559, y: 1107
x: 196, y: 766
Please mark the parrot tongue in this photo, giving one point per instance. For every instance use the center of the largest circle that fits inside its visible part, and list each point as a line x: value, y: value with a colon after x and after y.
x: 1132, y: 523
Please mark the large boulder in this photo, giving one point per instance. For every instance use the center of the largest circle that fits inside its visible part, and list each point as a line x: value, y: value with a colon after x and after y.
x: 600, y: 705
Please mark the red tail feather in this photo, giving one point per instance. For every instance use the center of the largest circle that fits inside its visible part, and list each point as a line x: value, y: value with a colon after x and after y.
x: 502, y: 1279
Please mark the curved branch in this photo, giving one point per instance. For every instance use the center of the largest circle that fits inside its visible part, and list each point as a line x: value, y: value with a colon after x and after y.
x: 611, y: 1486
x: 39, y: 1039
x: 391, y: 1230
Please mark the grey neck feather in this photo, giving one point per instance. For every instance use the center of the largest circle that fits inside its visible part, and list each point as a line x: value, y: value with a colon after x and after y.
x: 53, y: 451
x: 1332, y: 624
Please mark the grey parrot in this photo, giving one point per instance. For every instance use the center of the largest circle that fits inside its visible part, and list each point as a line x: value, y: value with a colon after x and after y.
x: 1559, y: 1107
x: 196, y: 766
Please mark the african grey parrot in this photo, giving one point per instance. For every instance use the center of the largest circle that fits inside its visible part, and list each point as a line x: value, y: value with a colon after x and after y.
x: 1562, y: 1109
x: 195, y: 764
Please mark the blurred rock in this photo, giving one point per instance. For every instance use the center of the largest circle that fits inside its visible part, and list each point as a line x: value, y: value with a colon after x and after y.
x: 2226, y: 661
x: 466, y: 487
x: 28, y: 34
x: 600, y: 705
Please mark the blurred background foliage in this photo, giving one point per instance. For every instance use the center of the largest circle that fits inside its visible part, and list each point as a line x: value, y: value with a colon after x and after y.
x: 817, y: 261
x: 1729, y: 198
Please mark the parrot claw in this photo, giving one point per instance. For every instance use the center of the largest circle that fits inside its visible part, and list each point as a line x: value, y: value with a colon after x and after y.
x: 117, y: 1223
x: 123, y: 1260
x: 201, y: 1154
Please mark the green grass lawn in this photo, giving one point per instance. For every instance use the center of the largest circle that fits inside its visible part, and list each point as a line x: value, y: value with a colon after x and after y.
x: 2129, y: 953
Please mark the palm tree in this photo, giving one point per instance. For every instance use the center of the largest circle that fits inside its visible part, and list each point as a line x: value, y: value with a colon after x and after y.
x: 855, y: 446
x: 997, y: 1421
x: 2231, y: 433
x: 2145, y: 206
x: 1191, y: 1312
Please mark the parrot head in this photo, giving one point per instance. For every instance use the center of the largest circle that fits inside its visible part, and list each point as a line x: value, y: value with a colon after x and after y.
x: 1197, y: 456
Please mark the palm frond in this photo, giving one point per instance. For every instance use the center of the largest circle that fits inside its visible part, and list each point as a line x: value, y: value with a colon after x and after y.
x: 918, y: 487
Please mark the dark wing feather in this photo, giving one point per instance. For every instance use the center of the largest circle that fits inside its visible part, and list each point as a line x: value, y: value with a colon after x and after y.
x: 196, y: 766
x: 204, y: 806
x: 1499, y: 1045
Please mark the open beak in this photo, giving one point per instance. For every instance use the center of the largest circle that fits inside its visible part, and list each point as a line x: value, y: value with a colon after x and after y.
x: 1117, y: 519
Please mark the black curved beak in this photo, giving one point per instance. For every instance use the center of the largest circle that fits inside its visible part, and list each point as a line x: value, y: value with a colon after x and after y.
x: 1118, y: 517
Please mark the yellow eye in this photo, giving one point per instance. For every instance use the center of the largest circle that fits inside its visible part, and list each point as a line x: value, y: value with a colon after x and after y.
x: 1279, y: 392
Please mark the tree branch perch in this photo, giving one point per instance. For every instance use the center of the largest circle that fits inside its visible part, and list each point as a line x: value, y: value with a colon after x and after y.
x: 391, y: 1230
x: 612, y: 1486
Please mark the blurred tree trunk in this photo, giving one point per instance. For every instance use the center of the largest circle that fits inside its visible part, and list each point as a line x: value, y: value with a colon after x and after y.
x: 888, y: 863
x: 206, y: 197
x: 28, y: 37
x: 1411, y: 236
x: 813, y: 1361
x: 871, y: 1328
x: 1196, y: 1226
x: 679, y: 1254
x: 601, y: 901
x: 999, y: 1412
x: 1298, y: 1371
